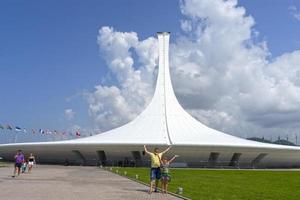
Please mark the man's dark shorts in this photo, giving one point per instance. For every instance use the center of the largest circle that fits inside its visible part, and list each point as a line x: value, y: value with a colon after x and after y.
x: 155, y: 174
x: 18, y: 165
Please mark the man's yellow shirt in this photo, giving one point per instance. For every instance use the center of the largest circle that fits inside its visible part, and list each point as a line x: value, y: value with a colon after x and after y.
x: 155, y: 160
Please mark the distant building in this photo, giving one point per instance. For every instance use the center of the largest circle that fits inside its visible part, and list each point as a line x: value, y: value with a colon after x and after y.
x: 164, y: 122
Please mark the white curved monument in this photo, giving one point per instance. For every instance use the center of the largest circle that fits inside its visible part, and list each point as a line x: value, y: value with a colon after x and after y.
x: 164, y: 122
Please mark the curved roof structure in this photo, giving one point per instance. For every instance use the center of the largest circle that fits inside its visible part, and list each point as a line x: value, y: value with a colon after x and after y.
x: 164, y: 122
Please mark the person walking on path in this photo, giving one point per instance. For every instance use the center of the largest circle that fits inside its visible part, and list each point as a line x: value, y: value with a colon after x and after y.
x: 19, y: 159
x: 165, y: 173
x: 24, y: 167
x: 31, y: 162
x: 155, y: 174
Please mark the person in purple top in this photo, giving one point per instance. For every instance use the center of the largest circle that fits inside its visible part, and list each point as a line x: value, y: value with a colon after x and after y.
x: 19, y: 159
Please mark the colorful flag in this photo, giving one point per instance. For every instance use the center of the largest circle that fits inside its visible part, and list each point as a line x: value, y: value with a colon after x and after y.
x: 18, y: 129
x: 77, y: 133
x: 8, y: 127
x: 41, y: 131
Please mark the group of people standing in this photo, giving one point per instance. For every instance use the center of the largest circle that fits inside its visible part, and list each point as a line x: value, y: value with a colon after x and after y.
x: 21, y: 164
x: 159, y: 169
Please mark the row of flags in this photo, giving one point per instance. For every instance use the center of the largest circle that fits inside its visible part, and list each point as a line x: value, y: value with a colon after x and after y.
x: 41, y: 131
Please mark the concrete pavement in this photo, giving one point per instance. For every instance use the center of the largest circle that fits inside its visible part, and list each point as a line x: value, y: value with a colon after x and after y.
x: 47, y: 182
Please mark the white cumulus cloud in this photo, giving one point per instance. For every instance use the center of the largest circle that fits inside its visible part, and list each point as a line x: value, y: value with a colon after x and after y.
x: 69, y: 114
x: 294, y: 12
x: 113, y: 105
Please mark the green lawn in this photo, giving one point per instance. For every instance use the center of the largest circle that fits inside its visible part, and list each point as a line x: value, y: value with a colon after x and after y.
x: 229, y: 184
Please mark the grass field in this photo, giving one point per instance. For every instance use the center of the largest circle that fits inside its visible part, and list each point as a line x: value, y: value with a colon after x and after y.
x: 229, y: 184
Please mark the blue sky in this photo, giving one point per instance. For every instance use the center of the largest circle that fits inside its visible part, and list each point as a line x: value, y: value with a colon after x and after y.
x: 49, y: 56
x: 49, y: 52
x: 275, y: 23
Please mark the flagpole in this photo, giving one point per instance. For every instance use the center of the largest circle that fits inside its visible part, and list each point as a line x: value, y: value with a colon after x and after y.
x: 16, y: 137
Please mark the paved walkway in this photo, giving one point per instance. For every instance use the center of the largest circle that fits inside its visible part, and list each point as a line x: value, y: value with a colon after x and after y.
x: 47, y: 182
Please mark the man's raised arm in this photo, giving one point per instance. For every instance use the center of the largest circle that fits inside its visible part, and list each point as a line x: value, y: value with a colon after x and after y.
x: 165, y: 151
x: 145, y: 148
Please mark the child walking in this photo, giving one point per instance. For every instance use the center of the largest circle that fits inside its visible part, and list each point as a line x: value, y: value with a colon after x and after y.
x: 165, y: 174
x: 24, y: 166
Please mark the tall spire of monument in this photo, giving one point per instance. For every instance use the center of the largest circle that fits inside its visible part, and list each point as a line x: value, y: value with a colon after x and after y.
x: 163, y: 84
